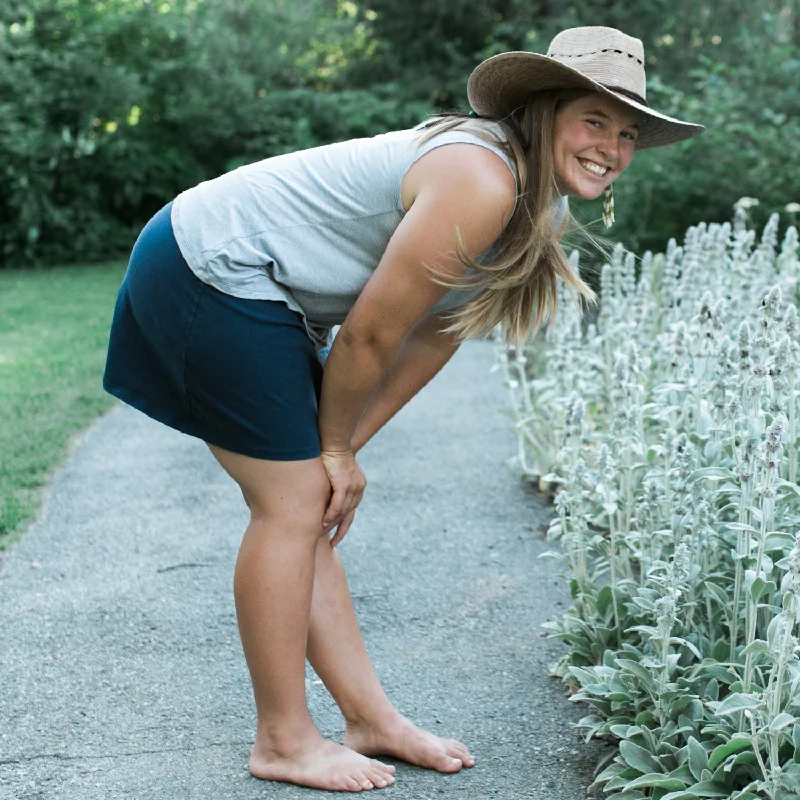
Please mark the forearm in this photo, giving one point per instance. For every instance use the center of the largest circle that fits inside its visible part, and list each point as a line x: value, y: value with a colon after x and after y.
x: 418, y: 360
x: 352, y: 371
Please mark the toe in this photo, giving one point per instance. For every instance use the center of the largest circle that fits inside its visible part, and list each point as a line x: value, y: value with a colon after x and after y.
x: 380, y: 779
x: 457, y: 750
x: 446, y: 763
x: 381, y: 767
x: 363, y: 781
x: 351, y: 784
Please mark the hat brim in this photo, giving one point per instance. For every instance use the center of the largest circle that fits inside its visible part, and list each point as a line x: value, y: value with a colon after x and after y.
x: 503, y: 82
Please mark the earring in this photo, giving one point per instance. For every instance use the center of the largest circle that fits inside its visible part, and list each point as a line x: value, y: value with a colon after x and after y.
x: 608, y: 206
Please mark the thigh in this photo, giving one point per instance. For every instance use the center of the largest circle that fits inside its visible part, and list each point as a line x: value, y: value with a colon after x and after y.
x: 297, y: 491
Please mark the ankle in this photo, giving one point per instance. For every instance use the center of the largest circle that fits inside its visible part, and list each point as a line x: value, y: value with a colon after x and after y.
x: 285, y: 740
x: 385, y: 716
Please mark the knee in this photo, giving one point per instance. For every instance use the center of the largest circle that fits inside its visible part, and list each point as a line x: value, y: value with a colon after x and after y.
x: 298, y: 504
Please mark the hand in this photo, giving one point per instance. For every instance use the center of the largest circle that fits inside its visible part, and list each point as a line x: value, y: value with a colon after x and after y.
x: 348, y: 483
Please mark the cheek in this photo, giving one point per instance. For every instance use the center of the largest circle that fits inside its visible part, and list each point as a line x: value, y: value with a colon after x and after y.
x: 626, y: 158
x: 570, y: 141
x: 578, y: 139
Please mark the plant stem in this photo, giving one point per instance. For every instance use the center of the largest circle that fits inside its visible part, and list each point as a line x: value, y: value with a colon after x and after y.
x: 612, y: 561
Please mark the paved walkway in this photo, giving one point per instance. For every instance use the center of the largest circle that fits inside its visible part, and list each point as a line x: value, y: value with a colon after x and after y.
x: 122, y: 674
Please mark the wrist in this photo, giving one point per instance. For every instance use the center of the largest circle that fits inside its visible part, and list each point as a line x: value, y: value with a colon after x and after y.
x: 337, y: 450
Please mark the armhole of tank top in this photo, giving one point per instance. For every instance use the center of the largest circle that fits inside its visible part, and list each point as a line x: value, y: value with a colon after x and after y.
x: 463, y: 137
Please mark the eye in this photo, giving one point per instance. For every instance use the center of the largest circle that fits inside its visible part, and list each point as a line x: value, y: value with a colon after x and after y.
x: 595, y: 122
x: 631, y: 136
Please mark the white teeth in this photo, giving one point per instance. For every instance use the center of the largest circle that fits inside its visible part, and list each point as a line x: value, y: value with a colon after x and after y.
x: 592, y: 167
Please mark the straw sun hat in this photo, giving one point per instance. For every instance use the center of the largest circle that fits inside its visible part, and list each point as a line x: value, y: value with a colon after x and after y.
x: 601, y: 59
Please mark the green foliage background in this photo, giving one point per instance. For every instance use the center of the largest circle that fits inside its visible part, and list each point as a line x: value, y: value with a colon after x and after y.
x: 109, y: 108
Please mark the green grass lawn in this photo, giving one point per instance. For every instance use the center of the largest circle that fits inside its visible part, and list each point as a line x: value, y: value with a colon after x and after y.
x: 53, y: 335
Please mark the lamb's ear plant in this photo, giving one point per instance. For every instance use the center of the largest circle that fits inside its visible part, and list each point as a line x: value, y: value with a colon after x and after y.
x: 668, y: 429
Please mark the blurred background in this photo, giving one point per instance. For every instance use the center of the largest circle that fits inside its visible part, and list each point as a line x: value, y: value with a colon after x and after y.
x: 109, y: 109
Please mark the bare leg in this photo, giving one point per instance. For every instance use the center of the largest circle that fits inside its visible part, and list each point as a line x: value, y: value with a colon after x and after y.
x: 338, y: 655
x: 273, y: 586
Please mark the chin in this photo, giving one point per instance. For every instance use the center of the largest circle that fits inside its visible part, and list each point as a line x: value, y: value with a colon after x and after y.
x: 588, y: 192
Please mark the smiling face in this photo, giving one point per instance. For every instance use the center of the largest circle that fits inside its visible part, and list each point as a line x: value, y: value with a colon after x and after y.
x: 593, y: 143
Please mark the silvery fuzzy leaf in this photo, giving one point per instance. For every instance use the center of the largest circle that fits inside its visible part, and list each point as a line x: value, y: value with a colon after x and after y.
x: 790, y: 777
x: 698, y: 758
x: 639, y: 758
x: 796, y: 737
x: 761, y: 587
x: 756, y: 646
x: 669, y: 387
x: 736, y: 744
x: 747, y: 793
x: 782, y: 721
x: 648, y: 629
x: 778, y: 540
x: 732, y: 704
x: 718, y: 592
x: 643, y: 603
x: 741, y: 526
x: 684, y: 643
x: 787, y: 485
x: 712, y: 474
x: 641, y: 672
x: 656, y: 781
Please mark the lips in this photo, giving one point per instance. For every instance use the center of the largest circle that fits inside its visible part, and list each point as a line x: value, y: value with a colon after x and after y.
x: 592, y: 167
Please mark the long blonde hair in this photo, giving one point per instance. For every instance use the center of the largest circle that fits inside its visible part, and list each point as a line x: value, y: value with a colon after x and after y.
x: 518, y: 287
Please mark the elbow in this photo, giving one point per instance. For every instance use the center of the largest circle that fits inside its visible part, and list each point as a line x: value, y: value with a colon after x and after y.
x: 370, y: 342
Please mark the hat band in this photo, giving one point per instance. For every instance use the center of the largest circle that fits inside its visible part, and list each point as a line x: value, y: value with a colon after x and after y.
x: 627, y: 92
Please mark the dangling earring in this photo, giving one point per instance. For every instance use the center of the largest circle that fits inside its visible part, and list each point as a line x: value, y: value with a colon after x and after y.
x: 608, y: 206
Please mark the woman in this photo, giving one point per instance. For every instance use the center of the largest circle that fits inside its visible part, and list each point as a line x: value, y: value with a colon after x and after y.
x: 231, y: 291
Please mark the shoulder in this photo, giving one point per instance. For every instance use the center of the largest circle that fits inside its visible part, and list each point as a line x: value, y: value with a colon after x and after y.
x: 461, y: 169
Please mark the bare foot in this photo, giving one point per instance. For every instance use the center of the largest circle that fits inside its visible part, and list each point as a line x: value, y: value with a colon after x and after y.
x: 321, y: 764
x: 404, y: 740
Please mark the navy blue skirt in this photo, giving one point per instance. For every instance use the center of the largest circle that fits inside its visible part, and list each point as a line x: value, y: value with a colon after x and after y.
x: 240, y: 374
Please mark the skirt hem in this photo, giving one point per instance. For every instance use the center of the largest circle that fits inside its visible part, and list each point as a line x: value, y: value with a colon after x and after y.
x: 185, y: 426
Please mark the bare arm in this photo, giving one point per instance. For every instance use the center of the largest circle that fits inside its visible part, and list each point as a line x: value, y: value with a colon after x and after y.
x: 462, y: 185
x: 423, y: 353
x: 473, y: 190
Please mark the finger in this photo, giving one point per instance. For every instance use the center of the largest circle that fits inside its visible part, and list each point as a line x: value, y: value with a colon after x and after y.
x: 344, y: 526
x: 348, y: 505
x: 335, y: 510
x: 360, y: 497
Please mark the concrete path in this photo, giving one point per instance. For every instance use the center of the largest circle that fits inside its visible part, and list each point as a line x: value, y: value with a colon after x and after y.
x: 122, y: 673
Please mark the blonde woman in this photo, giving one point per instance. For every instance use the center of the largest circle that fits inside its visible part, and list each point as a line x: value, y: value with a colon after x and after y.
x: 411, y: 246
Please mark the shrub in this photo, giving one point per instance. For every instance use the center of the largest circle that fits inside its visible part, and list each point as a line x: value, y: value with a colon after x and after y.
x: 669, y: 430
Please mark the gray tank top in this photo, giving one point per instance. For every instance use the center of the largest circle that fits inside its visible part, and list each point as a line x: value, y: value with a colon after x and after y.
x: 308, y: 228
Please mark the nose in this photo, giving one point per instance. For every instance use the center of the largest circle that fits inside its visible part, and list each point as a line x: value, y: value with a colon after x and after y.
x: 609, y: 147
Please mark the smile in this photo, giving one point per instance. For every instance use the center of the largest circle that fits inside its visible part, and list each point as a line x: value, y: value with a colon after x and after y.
x: 590, y: 166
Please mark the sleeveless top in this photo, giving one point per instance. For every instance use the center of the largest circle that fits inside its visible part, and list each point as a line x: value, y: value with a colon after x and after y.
x: 308, y: 228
